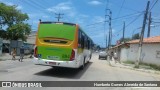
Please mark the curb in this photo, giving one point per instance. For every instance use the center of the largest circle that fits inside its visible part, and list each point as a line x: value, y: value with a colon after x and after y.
x: 140, y: 69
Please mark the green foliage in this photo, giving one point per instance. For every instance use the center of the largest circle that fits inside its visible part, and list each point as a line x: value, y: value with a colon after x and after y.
x: 14, y: 20
x: 124, y: 40
x: 156, y: 67
x: 2, y: 34
x: 153, y: 66
x: 128, y: 62
x: 136, y: 36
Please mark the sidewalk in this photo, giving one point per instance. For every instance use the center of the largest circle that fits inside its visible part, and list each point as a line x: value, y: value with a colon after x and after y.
x: 7, y: 56
x: 141, y: 68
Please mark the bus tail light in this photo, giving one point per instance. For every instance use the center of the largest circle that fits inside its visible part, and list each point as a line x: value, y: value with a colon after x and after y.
x: 72, y: 57
x: 36, y: 52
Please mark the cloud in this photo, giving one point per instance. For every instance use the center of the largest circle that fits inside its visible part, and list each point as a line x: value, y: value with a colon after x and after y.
x: 65, y: 6
x: 97, y: 19
x: 45, y: 16
x: 19, y: 7
x: 8, y: 3
x: 95, y: 2
x: 98, y: 35
x: 11, y: 4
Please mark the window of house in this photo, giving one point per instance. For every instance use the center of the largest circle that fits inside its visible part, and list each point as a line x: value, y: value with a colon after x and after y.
x: 157, y: 54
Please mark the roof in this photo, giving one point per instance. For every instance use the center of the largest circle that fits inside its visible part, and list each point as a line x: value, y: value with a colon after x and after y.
x: 150, y: 40
x: 121, y: 45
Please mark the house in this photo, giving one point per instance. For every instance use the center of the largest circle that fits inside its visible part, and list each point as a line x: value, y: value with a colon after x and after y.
x: 121, y: 50
x: 150, y: 50
x: 129, y: 50
x: 31, y: 38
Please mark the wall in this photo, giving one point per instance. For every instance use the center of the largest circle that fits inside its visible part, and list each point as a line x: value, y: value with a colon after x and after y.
x: 149, y: 53
x: 15, y: 44
x: 124, y: 54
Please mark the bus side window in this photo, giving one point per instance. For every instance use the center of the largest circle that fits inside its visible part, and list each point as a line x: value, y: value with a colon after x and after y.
x: 79, y: 39
x: 82, y: 40
x: 88, y: 44
x: 91, y: 44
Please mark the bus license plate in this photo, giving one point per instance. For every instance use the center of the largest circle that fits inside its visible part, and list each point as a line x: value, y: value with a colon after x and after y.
x: 53, y: 57
x: 52, y: 63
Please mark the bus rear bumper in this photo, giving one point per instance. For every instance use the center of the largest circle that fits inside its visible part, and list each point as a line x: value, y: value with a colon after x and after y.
x: 69, y: 64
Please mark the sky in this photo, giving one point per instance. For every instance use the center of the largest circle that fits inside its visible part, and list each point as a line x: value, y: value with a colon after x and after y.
x: 90, y: 15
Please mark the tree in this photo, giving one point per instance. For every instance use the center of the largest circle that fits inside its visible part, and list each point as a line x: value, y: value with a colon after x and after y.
x: 124, y: 40
x: 2, y: 34
x: 136, y: 36
x: 15, y: 22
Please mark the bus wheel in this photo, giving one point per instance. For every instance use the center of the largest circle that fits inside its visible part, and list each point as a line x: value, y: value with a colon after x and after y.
x: 54, y: 67
x: 82, y: 67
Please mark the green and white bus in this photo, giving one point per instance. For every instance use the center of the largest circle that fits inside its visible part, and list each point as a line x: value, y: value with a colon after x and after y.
x: 61, y: 44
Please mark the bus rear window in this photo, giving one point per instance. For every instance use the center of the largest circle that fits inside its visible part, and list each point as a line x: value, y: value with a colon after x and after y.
x: 57, y: 31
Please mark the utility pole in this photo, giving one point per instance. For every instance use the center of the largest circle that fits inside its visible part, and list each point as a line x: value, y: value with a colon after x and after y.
x: 110, y: 29
x: 149, y: 25
x: 109, y: 35
x: 106, y: 41
x: 141, y: 37
x: 123, y: 31
x: 58, y: 16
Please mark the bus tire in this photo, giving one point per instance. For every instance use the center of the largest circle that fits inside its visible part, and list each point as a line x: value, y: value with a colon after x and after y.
x: 82, y: 67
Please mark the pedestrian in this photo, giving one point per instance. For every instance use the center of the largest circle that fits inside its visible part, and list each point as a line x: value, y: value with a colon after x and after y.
x: 111, y: 55
x: 14, y: 54
x: 32, y: 51
x: 116, y: 58
x: 21, y: 53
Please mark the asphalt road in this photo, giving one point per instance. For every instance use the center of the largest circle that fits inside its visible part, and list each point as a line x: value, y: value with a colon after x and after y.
x: 95, y: 70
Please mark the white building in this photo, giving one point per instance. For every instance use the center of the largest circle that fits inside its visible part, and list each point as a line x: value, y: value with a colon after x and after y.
x: 150, y: 50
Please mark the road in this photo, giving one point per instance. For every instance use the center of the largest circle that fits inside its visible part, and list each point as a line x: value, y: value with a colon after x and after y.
x: 95, y: 70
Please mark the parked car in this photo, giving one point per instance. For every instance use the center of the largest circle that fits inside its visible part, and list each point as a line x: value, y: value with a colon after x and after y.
x: 102, y: 54
x: 96, y: 51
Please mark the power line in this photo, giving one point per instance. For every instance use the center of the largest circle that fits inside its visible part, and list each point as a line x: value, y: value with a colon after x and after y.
x: 153, y: 5
x: 127, y: 15
x: 38, y: 6
x: 124, y: 7
x: 116, y: 18
x: 130, y: 22
x: 120, y: 9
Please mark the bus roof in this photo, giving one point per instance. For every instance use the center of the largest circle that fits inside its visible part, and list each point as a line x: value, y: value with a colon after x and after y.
x: 65, y: 23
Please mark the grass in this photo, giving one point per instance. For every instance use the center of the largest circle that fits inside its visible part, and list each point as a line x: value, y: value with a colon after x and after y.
x: 128, y: 62
x: 144, y: 65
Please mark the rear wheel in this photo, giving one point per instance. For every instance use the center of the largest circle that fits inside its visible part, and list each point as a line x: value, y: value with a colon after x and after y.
x: 55, y: 67
x: 82, y: 67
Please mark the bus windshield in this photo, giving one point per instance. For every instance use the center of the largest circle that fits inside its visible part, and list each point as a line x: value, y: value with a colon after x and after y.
x: 57, y: 31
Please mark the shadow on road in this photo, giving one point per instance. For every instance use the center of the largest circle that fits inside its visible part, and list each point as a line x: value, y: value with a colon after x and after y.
x: 64, y: 72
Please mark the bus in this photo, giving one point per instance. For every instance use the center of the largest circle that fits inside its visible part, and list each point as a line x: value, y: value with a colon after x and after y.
x: 61, y: 44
